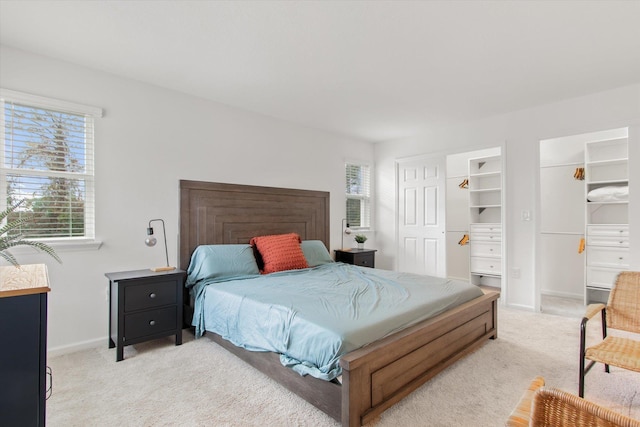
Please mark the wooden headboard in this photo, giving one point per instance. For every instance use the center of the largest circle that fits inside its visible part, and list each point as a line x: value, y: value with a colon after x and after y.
x: 216, y: 213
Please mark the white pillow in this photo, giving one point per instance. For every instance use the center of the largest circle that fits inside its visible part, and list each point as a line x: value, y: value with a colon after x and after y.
x: 609, y: 194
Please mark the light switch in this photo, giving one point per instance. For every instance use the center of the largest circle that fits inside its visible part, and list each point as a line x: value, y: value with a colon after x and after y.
x: 525, y: 215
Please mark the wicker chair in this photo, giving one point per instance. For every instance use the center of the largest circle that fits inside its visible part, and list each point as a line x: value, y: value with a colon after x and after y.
x: 622, y: 312
x: 549, y: 407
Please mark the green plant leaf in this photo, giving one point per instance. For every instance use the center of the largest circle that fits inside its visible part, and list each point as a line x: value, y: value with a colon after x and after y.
x: 7, y: 241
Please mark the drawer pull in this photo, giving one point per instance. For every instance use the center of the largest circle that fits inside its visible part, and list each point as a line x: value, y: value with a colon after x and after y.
x: 152, y: 295
x: 152, y: 322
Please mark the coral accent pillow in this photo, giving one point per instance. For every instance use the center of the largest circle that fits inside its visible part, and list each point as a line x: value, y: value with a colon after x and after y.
x: 280, y: 252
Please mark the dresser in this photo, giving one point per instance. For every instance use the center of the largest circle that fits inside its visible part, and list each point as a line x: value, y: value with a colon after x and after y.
x: 144, y: 305
x: 23, y: 334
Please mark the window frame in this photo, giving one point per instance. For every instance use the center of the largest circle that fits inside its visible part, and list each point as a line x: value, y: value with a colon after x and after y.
x: 88, y: 177
x: 366, y: 210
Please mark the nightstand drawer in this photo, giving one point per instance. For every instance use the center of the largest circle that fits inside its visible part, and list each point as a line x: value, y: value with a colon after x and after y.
x: 364, y: 260
x: 150, y: 295
x: 149, y: 323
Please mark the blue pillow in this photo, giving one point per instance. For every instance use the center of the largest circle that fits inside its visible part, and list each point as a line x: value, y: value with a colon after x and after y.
x: 315, y: 252
x: 221, y: 261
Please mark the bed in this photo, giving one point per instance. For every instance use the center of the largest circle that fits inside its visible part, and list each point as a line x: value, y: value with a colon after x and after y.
x: 374, y: 377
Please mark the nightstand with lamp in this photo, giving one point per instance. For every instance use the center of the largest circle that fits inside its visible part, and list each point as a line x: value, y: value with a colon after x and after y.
x: 356, y: 256
x: 145, y: 304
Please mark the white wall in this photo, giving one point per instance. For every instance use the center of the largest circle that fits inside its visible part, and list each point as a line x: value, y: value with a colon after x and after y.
x: 520, y: 132
x: 149, y: 139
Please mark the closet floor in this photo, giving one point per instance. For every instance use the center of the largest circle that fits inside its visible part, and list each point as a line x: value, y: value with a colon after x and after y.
x: 561, y: 306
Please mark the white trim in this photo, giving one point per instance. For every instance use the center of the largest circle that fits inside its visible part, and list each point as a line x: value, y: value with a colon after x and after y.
x: 60, y: 245
x: 577, y: 297
x: 43, y: 102
x: 520, y: 307
x: 72, y: 348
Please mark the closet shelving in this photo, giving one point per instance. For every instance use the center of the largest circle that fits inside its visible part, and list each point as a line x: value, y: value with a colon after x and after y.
x: 607, y: 229
x: 485, y: 216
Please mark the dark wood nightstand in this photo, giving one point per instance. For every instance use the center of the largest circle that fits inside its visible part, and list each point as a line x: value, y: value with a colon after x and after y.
x: 361, y: 257
x: 144, y: 305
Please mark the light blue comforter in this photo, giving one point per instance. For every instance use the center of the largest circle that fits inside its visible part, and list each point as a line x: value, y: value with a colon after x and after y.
x: 314, y: 316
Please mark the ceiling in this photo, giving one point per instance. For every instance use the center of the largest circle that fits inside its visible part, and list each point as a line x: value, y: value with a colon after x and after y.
x: 375, y: 70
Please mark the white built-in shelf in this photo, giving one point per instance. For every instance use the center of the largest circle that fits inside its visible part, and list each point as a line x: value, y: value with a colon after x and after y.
x: 617, y: 202
x: 623, y: 181
x: 487, y: 190
x: 484, y: 206
x: 606, y: 164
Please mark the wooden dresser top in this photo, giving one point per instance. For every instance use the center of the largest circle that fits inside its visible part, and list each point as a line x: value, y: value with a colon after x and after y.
x: 26, y: 280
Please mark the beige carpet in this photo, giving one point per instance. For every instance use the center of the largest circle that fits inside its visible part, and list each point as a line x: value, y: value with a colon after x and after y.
x: 201, y: 384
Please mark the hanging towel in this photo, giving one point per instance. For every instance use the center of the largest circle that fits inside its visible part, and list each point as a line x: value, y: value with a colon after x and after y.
x: 464, y: 240
x: 581, y: 246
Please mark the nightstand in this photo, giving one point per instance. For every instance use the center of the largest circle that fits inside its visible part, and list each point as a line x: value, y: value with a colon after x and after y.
x: 361, y: 257
x: 144, y: 305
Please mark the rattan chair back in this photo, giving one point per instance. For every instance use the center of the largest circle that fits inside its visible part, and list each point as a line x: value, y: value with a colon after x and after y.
x: 623, y: 308
x: 553, y: 407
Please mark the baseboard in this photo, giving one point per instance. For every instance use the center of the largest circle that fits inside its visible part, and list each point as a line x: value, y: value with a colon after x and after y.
x: 72, y: 348
x: 520, y: 307
x: 562, y: 295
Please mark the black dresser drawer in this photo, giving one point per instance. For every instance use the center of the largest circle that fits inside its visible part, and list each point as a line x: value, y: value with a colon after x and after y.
x: 150, y: 295
x: 149, y: 323
x: 364, y: 260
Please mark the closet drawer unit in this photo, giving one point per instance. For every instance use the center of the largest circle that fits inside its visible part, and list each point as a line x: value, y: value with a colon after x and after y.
x: 612, y: 241
x: 602, y: 278
x: 621, y: 230
x: 491, y: 266
x: 485, y: 228
x: 485, y: 249
x: 485, y: 238
x: 607, y: 257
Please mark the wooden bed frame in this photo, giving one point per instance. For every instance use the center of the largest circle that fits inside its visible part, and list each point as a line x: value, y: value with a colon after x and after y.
x: 374, y: 377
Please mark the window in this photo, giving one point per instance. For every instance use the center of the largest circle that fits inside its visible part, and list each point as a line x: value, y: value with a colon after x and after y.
x: 46, y: 162
x: 358, y: 178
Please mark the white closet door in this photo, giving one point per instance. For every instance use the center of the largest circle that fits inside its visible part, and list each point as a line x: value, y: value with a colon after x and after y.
x: 421, y: 216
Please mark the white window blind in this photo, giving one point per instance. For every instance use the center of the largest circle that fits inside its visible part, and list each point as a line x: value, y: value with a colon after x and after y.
x: 358, y: 192
x: 47, y: 164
